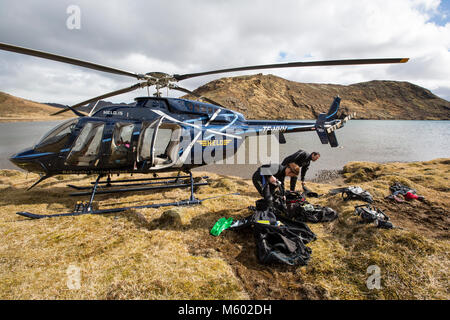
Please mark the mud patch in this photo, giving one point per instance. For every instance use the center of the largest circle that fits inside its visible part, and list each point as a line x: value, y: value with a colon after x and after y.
x: 425, y: 218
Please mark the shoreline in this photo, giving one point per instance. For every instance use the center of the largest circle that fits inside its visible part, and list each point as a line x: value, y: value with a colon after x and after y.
x: 245, y: 171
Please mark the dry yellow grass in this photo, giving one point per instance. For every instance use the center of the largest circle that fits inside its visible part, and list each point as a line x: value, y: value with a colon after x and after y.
x: 167, y: 253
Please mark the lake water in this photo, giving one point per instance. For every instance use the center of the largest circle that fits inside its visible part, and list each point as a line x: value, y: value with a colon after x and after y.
x: 359, y: 140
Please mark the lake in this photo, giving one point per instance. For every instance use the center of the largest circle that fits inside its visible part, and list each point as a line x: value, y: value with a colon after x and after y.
x: 359, y: 140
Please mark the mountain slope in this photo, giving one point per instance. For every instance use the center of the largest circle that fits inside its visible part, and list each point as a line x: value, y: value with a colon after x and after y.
x: 271, y: 97
x: 17, y: 109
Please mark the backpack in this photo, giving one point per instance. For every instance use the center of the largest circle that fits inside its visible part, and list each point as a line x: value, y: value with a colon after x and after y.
x: 353, y: 193
x: 301, y: 210
x: 307, y: 212
x: 372, y: 214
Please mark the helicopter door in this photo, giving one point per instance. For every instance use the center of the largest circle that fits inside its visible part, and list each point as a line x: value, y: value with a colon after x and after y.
x: 158, y: 144
x: 167, y: 144
x: 85, y: 151
x: 146, y: 141
x: 121, y: 144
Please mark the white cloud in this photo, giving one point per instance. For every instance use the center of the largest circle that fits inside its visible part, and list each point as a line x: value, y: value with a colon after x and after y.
x: 200, y: 35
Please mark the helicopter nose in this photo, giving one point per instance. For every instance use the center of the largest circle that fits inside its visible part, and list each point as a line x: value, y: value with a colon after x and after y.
x: 27, y: 160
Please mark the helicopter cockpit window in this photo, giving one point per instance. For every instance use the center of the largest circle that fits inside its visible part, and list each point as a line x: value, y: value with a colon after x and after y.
x: 121, y: 148
x: 56, y: 139
x: 86, y: 149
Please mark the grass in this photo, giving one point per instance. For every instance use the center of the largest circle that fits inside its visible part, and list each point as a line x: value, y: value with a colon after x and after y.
x: 167, y: 253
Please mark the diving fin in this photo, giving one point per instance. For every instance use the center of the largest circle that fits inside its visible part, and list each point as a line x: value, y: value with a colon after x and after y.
x: 220, y: 225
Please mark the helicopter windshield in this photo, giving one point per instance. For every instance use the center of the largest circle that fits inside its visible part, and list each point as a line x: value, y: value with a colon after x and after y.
x: 57, y: 138
x: 85, y: 150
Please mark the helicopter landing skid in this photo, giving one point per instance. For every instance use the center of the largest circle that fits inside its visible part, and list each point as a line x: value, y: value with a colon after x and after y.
x: 115, y: 210
x: 126, y: 183
x: 86, y: 208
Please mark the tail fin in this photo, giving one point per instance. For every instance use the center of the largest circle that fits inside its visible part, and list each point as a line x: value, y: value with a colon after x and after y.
x: 328, y: 136
x: 332, y: 113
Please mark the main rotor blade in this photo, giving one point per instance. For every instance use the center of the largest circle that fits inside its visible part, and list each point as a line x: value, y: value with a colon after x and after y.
x: 176, y: 87
x: 295, y: 64
x: 81, y: 63
x: 103, y: 96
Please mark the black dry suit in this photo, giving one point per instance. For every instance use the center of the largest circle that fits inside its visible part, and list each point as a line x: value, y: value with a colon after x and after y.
x: 280, y: 232
x: 262, y: 184
x: 303, y: 160
x: 278, y: 239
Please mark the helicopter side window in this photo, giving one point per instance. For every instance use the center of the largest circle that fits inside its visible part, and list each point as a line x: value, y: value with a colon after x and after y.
x: 56, y: 139
x: 86, y: 148
x: 156, y: 104
x: 121, y: 149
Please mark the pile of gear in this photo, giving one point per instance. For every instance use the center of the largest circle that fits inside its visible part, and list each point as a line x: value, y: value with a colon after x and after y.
x: 368, y: 213
x: 280, y: 231
x: 400, y: 193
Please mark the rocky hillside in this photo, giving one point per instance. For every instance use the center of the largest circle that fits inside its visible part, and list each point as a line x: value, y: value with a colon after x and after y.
x: 17, y: 109
x: 270, y: 97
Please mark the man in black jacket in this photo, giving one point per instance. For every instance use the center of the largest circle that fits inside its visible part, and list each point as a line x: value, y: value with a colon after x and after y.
x: 302, y: 159
x: 269, y: 177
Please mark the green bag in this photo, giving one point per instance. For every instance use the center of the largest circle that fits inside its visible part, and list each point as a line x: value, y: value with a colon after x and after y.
x: 221, y: 224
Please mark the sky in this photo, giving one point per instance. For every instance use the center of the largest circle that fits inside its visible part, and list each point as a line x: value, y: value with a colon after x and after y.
x: 185, y: 36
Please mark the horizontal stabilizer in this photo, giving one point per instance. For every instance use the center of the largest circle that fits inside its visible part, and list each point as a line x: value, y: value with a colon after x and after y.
x: 341, y: 123
x: 320, y: 128
x: 332, y: 139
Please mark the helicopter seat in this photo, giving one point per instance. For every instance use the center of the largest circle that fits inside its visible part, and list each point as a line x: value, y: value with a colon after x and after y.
x: 171, y: 153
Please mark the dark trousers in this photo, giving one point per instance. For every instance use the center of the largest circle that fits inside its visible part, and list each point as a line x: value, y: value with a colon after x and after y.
x: 264, y: 188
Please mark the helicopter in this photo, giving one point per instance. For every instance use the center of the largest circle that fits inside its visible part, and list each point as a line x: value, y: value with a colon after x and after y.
x: 157, y: 134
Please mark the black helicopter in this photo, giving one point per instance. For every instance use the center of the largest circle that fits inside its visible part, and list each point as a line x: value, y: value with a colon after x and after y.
x: 156, y: 134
